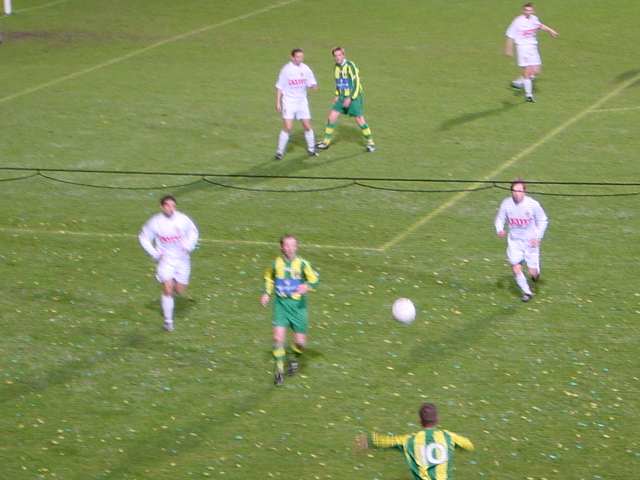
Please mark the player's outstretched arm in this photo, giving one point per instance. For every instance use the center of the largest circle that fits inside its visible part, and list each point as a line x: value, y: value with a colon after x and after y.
x: 549, y: 30
x: 462, y: 442
x: 378, y: 440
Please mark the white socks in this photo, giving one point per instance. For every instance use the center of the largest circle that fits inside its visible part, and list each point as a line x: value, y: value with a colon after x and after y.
x: 528, y: 87
x: 521, y: 280
x: 311, y: 141
x: 283, y: 139
x: 167, y: 308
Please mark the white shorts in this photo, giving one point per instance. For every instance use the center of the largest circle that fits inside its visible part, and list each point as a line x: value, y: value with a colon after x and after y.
x: 297, y: 109
x: 174, y: 269
x: 519, y: 250
x: 528, y: 55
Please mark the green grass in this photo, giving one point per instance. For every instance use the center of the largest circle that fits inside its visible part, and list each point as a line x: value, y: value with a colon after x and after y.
x: 90, y: 386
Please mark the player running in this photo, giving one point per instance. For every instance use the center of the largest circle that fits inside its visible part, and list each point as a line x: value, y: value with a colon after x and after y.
x: 291, y: 101
x: 290, y: 277
x: 523, y: 32
x: 170, y: 237
x: 527, y: 224
x: 349, y: 100
x: 429, y: 453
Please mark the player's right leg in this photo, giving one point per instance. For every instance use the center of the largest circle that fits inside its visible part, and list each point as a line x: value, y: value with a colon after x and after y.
x: 285, y: 133
x: 167, y: 301
x: 516, y: 254
x: 329, y: 129
x: 279, y: 353
x: 366, y: 133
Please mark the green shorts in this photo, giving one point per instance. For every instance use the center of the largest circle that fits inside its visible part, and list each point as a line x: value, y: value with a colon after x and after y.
x: 290, y: 314
x: 356, y: 109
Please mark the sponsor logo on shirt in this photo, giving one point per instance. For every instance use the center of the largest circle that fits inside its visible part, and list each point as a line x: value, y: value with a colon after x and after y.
x: 172, y: 239
x: 297, y: 82
x: 519, y: 222
x: 285, y: 287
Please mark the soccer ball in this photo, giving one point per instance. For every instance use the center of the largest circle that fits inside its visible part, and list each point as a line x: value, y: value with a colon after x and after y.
x: 404, y: 311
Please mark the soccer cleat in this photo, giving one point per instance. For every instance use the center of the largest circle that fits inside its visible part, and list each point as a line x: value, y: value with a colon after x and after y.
x: 293, y: 367
x: 322, y: 146
x: 312, y: 153
x: 526, y: 297
x: 278, y: 379
x: 168, y: 326
x: 371, y: 147
x: 530, y: 99
x: 278, y: 156
x: 535, y: 278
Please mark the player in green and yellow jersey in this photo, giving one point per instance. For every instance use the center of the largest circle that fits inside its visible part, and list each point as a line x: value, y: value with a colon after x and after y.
x: 349, y: 100
x: 429, y: 452
x: 289, y: 277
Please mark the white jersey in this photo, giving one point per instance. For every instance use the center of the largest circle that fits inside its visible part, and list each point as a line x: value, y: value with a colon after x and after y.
x: 527, y: 220
x: 169, y: 237
x: 523, y: 30
x: 294, y: 80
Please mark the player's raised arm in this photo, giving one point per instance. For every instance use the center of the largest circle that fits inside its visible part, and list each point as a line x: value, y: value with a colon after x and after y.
x: 146, y: 238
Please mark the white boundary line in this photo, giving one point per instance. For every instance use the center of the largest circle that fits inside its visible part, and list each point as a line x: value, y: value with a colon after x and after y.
x: 140, y: 51
x: 510, y: 162
x: 619, y: 109
x: 38, y: 7
x: 70, y: 233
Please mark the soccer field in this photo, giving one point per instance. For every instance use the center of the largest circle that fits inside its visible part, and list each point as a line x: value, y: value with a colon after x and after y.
x: 91, y: 387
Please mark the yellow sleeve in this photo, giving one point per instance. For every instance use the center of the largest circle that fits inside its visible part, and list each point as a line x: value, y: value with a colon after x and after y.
x: 311, y: 276
x: 379, y: 440
x: 268, y: 280
x: 355, y: 77
x: 462, y: 442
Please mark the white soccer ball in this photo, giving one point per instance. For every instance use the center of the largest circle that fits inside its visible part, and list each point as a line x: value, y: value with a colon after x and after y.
x: 404, y: 311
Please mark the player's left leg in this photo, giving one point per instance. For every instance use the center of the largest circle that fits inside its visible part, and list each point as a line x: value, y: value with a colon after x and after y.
x: 366, y: 133
x: 297, y: 349
x: 309, y: 136
x: 532, y: 259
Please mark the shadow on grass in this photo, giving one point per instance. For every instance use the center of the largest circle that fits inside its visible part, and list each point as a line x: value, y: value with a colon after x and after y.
x: 629, y: 74
x: 474, y: 116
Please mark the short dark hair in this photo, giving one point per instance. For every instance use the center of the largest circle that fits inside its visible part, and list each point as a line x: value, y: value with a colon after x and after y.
x: 166, y: 198
x: 528, y: 4
x: 296, y: 50
x: 428, y: 414
x: 285, y: 236
x: 335, y: 49
x: 519, y: 181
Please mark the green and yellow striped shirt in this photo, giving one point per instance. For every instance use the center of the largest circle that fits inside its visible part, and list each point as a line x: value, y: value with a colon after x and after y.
x: 348, y: 82
x: 284, y: 277
x: 428, y: 453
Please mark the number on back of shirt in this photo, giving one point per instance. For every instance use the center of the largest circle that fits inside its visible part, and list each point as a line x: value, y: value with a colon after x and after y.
x: 434, y: 454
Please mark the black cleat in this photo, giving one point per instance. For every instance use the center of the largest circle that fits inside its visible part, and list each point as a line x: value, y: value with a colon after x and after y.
x: 371, y: 147
x: 535, y: 279
x: 530, y: 99
x: 293, y: 367
x: 322, y: 146
x: 312, y: 153
x: 278, y: 379
x: 278, y: 156
x: 526, y: 297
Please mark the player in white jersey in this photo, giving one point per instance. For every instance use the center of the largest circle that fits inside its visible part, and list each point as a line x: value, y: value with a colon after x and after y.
x: 170, y: 237
x: 523, y: 33
x: 291, y: 101
x: 527, y: 223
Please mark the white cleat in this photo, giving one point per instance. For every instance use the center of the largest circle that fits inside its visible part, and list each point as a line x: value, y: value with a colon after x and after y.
x: 168, y: 326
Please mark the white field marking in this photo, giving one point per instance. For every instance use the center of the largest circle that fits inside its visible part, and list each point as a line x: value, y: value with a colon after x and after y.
x: 31, y: 231
x: 140, y: 51
x: 619, y: 109
x: 510, y: 162
x: 38, y: 7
